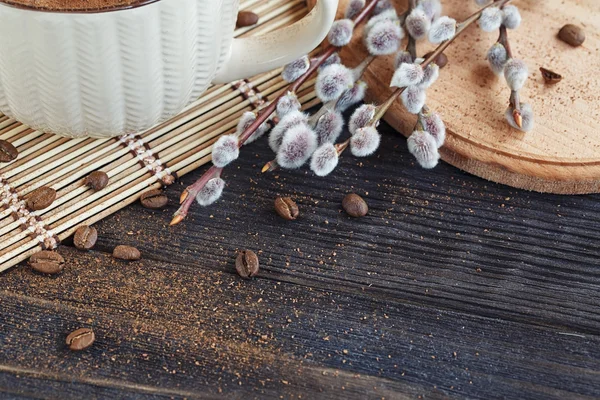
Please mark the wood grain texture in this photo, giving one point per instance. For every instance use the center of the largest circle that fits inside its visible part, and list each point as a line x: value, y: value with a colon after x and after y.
x: 348, y: 308
x: 562, y: 153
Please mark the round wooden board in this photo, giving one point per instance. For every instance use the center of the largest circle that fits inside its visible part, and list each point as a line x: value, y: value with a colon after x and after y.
x: 562, y: 153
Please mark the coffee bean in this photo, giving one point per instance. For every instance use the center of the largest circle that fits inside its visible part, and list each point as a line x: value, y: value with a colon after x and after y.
x: 80, y: 339
x: 355, y: 206
x: 154, y: 199
x: 168, y: 180
x: 246, y: 264
x: 85, y: 237
x: 41, y: 198
x: 246, y: 18
x: 550, y: 76
x: 126, y: 253
x: 441, y: 60
x: 8, y: 152
x: 286, y: 208
x: 97, y: 180
x: 572, y: 34
x: 47, y: 262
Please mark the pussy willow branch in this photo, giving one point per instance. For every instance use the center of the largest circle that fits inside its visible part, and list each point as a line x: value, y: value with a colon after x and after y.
x: 189, y: 194
x: 460, y: 28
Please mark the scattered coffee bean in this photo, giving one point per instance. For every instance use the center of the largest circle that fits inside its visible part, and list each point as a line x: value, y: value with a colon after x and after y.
x: 97, y: 180
x: 355, y: 206
x: 85, y: 237
x: 47, y: 262
x: 246, y: 18
x: 8, y: 152
x: 168, y: 180
x: 549, y: 76
x: 80, y: 339
x: 41, y: 198
x: 154, y: 199
x: 441, y: 60
x: 246, y: 264
x: 572, y: 34
x: 286, y: 208
x: 126, y: 253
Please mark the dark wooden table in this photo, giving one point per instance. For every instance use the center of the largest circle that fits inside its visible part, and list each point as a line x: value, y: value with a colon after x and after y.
x: 450, y: 287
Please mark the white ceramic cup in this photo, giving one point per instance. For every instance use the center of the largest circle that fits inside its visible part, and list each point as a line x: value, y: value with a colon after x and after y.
x: 104, y: 74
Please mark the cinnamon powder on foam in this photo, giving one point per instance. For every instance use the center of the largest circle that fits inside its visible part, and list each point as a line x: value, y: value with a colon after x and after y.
x: 73, y: 5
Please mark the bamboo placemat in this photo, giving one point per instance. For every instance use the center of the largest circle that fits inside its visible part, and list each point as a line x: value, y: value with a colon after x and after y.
x: 133, y: 163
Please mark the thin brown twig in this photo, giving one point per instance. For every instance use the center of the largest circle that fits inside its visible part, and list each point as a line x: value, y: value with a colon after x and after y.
x: 189, y: 194
x: 514, y: 99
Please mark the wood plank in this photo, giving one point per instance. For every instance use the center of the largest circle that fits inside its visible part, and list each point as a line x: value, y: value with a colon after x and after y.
x: 20, y: 383
x: 441, y: 238
x: 177, y: 330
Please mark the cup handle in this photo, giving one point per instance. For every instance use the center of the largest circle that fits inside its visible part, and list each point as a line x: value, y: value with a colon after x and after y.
x: 257, y: 54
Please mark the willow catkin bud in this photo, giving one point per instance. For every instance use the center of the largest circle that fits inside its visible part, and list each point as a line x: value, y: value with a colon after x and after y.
x: 402, y: 56
x: 292, y: 119
x: 417, y: 23
x: 225, y: 150
x: 287, y: 104
x: 384, y: 38
x: 413, y: 98
x: 490, y: 19
x: 433, y: 123
x: 332, y: 59
x: 442, y: 29
x: 295, y: 69
x: 407, y: 74
x: 511, y: 17
x: 387, y: 15
x: 329, y: 127
x: 497, y: 58
x: 333, y: 81
x: 351, y: 96
x: 324, y: 159
x: 515, y: 73
x: 244, y: 123
x: 382, y: 6
x: 298, y: 144
x: 210, y: 192
x: 527, y: 117
x: 246, y: 120
x: 430, y: 74
x: 432, y: 8
x: 365, y: 141
x: 341, y: 32
x: 424, y: 148
x: 354, y: 7
x: 361, y: 117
